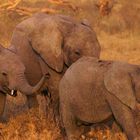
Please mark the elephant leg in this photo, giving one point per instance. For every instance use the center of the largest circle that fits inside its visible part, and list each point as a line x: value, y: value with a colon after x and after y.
x: 73, y: 131
x: 55, y: 106
x: 124, y: 117
x: 2, y: 106
x: 32, y: 101
x: 42, y: 105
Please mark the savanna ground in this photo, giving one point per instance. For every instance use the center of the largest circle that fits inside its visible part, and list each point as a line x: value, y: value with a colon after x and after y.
x: 118, y: 31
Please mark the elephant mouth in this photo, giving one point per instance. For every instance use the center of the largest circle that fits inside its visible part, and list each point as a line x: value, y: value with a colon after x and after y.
x: 6, y: 90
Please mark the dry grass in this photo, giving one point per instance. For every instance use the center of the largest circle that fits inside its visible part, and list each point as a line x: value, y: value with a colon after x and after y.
x: 30, y: 126
x: 119, y: 37
x: 124, y: 47
x: 27, y: 124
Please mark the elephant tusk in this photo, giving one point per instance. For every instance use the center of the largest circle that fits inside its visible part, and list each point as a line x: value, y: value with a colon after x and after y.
x: 12, y: 92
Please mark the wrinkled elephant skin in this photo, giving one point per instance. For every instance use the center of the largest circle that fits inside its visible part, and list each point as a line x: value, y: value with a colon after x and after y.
x: 92, y: 90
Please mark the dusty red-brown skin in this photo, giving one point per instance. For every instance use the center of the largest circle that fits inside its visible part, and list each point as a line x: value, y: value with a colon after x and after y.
x: 93, y: 90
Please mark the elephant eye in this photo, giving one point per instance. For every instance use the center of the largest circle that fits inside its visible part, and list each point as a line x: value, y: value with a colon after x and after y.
x: 4, y: 73
x: 77, y: 52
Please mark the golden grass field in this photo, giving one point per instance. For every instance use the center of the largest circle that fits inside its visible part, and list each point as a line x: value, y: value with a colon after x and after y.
x: 118, y: 34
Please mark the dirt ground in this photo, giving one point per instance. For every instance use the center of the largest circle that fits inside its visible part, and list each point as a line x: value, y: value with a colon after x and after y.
x: 118, y: 33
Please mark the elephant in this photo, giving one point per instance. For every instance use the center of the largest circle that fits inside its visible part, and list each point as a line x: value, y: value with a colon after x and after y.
x: 51, y: 43
x: 11, y: 65
x: 93, y: 90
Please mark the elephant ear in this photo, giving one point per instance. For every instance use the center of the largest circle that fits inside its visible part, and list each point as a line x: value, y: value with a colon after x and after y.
x: 47, y: 42
x: 119, y: 83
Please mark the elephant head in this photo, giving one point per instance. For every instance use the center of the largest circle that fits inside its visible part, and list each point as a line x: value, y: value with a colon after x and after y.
x: 12, y: 76
x: 61, y: 40
x: 80, y: 42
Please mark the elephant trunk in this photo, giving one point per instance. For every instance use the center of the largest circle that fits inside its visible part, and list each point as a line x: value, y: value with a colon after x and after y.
x: 25, y: 88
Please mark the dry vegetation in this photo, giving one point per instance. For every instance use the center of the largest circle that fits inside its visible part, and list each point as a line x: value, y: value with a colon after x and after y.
x: 117, y: 25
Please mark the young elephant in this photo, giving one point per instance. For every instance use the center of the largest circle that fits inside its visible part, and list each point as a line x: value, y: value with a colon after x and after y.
x: 12, y: 77
x: 93, y: 90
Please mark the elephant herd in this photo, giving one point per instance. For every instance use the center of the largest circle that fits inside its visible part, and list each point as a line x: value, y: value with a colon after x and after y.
x: 59, y: 55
